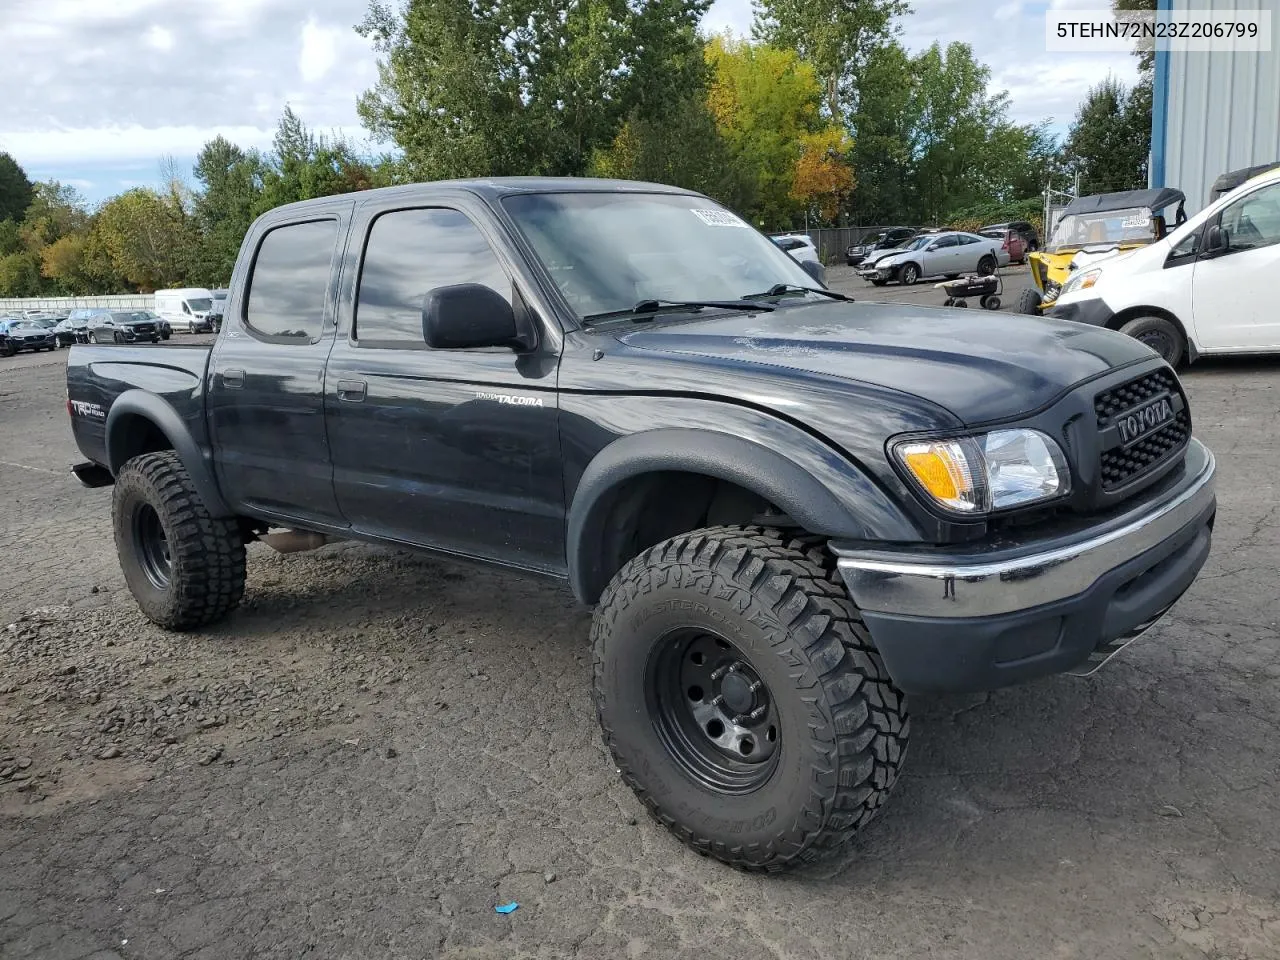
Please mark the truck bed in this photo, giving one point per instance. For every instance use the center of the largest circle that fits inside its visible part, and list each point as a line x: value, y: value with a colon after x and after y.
x: 99, y: 374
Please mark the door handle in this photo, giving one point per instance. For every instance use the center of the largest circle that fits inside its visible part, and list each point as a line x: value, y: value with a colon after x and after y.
x: 352, y: 390
x: 233, y: 379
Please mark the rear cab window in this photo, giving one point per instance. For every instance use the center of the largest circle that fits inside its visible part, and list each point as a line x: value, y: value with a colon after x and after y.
x: 289, y: 285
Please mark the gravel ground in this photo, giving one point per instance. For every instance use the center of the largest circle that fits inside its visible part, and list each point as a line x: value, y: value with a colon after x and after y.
x: 379, y: 748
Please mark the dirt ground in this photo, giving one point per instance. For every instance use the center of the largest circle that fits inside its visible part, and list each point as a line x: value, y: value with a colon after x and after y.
x: 379, y: 748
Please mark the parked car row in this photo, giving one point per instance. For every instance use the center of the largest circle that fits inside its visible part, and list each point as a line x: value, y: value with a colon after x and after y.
x: 19, y: 334
x: 1018, y: 237
x: 83, y: 325
x: 947, y: 253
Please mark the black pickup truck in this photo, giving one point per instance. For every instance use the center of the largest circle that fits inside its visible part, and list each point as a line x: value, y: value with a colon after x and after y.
x: 789, y: 510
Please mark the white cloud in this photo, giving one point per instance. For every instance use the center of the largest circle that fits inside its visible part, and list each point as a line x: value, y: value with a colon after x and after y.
x: 158, y: 38
x: 319, y: 50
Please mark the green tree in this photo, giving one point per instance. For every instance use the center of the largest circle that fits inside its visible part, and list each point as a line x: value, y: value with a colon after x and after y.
x: 523, y: 86
x: 884, y: 130
x: 837, y: 36
x: 683, y: 149
x: 148, y: 238
x: 15, y: 189
x: 957, y: 130
x: 55, y: 211
x: 765, y: 101
x: 1109, y: 141
x: 230, y: 184
x: 20, y: 274
x: 304, y: 165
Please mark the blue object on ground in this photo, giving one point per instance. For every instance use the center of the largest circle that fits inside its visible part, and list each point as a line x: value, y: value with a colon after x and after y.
x: 507, y: 907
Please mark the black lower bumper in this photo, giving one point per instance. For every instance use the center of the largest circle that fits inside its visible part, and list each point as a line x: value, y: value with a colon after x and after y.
x: 989, y: 620
x: 1093, y: 311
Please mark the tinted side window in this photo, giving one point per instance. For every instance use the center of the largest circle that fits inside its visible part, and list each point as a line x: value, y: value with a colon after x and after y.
x: 409, y: 254
x: 945, y: 242
x: 290, y: 281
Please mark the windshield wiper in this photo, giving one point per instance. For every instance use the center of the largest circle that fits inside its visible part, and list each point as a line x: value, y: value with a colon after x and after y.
x: 782, y: 289
x: 654, y: 306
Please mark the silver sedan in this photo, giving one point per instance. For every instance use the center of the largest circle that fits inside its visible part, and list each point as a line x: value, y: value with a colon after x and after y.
x: 946, y: 254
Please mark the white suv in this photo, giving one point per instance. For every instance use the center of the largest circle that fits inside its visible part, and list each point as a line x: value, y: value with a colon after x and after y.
x: 1203, y: 289
x: 802, y: 248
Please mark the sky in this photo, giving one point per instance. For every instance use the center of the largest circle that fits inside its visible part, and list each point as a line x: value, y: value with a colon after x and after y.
x: 100, y: 92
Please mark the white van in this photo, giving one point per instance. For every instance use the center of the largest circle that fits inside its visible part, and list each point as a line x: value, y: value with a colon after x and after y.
x: 1204, y: 289
x: 186, y: 308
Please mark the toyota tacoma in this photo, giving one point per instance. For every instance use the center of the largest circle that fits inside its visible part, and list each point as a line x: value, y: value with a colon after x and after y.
x: 789, y: 511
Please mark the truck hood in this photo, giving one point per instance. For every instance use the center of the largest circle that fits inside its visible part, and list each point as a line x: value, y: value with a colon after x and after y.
x: 980, y: 366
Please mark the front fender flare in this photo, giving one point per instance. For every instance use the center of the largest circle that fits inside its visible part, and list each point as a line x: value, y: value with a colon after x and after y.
x: 155, y: 410
x: 861, y: 511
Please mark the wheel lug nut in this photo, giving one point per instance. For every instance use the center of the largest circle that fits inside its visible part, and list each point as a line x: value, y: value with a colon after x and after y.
x: 757, y: 685
x: 717, y: 701
x: 719, y: 672
x: 758, y: 712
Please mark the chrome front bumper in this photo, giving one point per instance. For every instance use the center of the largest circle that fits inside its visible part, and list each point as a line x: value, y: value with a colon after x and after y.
x: 956, y: 619
x: 920, y: 585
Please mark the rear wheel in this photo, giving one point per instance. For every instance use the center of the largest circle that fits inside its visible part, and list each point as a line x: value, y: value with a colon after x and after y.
x: 741, y: 697
x: 909, y: 274
x: 184, y: 567
x: 987, y: 266
x: 1160, y: 335
x: 991, y: 302
x: 1029, y: 301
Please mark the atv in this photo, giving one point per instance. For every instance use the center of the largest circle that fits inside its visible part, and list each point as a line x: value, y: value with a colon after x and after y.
x: 1092, y: 228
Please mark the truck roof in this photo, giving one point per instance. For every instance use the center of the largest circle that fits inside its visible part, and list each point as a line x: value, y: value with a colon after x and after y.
x: 496, y: 187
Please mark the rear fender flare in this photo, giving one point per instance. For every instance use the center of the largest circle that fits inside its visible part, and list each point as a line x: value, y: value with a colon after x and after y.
x: 861, y: 511
x: 154, y: 409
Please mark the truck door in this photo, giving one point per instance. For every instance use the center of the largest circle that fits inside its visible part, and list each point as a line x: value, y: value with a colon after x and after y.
x: 266, y: 376
x: 456, y: 449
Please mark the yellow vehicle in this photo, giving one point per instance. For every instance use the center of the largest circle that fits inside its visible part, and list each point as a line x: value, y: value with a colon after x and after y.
x: 1093, y: 228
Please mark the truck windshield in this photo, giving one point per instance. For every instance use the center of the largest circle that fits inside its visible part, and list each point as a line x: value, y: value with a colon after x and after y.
x: 1131, y: 225
x: 610, y: 251
x: 200, y: 305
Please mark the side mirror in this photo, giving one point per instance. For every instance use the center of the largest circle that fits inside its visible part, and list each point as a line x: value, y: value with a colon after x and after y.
x: 815, y: 270
x: 470, y: 315
x: 1218, y: 241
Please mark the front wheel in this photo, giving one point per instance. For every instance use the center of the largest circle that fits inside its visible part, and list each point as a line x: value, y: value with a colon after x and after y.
x: 93, y: 338
x: 909, y: 274
x: 742, y: 699
x: 1158, y: 334
x: 987, y: 266
x: 1029, y: 301
x: 184, y: 567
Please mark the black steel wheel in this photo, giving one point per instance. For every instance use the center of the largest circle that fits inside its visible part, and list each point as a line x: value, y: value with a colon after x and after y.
x: 1160, y: 335
x: 713, y: 712
x: 741, y: 697
x: 184, y: 567
x: 987, y: 266
x: 150, y: 544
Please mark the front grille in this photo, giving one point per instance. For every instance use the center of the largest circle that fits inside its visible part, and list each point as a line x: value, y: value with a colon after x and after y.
x: 1121, y: 465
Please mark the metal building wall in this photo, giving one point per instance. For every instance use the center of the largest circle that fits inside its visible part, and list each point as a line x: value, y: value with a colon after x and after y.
x: 1214, y: 112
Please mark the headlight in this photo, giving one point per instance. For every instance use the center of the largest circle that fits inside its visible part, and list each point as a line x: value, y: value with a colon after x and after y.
x: 994, y: 471
x: 1081, y: 281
